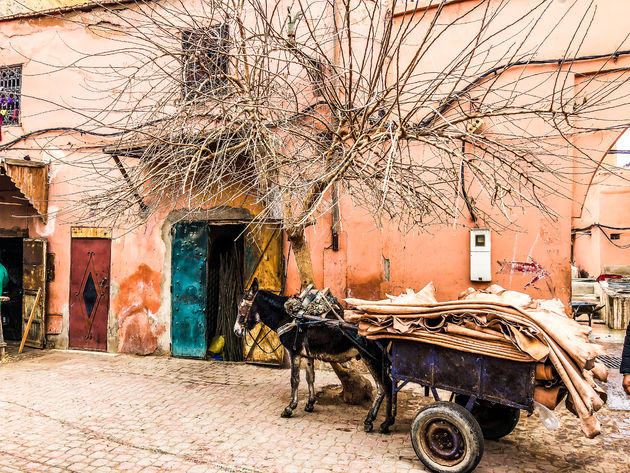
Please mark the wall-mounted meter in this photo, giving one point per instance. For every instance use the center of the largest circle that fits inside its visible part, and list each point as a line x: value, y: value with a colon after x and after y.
x: 480, y: 256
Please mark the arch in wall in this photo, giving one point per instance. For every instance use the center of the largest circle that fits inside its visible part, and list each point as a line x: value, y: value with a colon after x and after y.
x: 623, y: 137
x: 598, y: 145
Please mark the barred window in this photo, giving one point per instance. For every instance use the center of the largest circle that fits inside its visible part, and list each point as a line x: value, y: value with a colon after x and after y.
x: 205, y: 61
x: 10, y: 91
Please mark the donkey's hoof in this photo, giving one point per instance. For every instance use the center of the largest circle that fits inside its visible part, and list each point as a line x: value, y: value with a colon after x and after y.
x: 368, y: 426
x: 287, y: 412
x: 310, y: 407
x: 384, y: 428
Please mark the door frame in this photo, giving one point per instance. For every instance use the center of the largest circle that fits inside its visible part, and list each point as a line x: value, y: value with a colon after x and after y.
x: 219, y: 215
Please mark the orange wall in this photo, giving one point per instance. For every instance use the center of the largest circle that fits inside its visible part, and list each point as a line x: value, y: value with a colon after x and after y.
x: 439, y: 254
x: 607, y: 203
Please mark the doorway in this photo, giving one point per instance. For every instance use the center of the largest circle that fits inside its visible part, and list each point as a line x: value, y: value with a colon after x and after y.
x: 224, y: 289
x: 206, y: 287
x: 11, y: 252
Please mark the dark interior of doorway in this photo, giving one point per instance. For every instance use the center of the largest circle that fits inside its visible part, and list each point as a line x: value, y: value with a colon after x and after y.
x: 225, y: 287
x: 11, y: 258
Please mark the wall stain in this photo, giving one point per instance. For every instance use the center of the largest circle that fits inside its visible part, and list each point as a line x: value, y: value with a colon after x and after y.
x: 137, y: 301
x: 369, y: 289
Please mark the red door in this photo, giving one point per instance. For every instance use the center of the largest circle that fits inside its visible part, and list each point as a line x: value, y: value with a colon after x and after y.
x: 89, y: 292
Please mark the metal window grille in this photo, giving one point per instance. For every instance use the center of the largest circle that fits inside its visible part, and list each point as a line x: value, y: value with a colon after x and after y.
x: 10, y: 94
x: 205, y: 61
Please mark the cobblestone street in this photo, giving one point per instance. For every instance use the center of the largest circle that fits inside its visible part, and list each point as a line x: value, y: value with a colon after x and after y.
x: 86, y: 412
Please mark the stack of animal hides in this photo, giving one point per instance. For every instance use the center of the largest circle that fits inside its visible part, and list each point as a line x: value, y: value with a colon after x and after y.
x: 502, y: 324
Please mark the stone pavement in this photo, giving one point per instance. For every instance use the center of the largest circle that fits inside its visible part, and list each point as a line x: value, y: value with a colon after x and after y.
x: 87, y: 412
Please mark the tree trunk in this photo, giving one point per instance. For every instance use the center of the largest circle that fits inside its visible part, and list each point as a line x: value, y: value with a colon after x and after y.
x: 356, y: 389
x: 302, y: 257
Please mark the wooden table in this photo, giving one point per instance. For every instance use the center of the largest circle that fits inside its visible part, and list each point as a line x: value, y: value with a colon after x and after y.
x: 2, y: 342
x: 584, y: 308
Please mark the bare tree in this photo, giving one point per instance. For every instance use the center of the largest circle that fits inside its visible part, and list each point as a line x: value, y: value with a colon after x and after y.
x: 285, y: 105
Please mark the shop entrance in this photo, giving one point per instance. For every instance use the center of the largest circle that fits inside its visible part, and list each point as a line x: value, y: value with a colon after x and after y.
x: 25, y: 261
x: 11, y: 259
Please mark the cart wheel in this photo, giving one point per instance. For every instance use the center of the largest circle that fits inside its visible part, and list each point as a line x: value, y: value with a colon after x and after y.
x: 447, y: 438
x: 496, y: 420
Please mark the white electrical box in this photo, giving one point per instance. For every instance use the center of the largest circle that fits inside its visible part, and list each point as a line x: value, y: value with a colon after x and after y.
x: 480, y: 255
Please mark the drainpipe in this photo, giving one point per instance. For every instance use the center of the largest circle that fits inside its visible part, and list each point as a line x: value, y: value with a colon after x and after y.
x: 334, y: 193
x: 334, y: 228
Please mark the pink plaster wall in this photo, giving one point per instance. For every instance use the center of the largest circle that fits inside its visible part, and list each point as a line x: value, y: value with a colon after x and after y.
x: 439, y: 254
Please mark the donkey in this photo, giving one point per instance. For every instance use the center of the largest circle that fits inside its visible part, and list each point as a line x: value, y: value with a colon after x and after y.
x: 326, y: 343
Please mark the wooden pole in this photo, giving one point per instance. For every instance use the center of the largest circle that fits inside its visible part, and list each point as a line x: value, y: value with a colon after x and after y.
x: 30, y: 321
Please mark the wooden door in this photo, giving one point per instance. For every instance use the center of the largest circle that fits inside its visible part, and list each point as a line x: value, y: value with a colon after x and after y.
x: 263, y: 260
x: 188, y: 289
x: 34, y: 279
x: 89, y: 292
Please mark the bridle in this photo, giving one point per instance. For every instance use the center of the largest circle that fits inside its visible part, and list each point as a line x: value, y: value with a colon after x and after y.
x: 244, y: 313
x: 244, y: 316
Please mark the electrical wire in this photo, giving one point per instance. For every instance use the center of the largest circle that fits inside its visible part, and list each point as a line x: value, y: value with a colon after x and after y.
x: 495, y: 71
x: 601, y: 229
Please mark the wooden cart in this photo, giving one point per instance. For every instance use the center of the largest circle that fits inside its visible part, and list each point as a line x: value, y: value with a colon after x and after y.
x: 486, y: 395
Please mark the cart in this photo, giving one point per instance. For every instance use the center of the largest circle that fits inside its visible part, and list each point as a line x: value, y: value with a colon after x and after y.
x: 487, y: 394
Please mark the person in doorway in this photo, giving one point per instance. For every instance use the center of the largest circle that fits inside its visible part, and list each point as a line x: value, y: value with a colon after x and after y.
x: 625, y: 362
x: 4, y: 278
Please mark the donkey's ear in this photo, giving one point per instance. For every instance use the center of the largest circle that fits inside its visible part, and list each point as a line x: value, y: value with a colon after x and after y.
x: 254, y: 287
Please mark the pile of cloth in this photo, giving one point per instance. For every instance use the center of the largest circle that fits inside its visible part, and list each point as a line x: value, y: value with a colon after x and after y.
x: 503, y: 324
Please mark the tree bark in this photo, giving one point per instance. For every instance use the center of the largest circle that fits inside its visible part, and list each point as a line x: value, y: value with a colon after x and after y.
x: 302, y: 257
x: 355, y: 388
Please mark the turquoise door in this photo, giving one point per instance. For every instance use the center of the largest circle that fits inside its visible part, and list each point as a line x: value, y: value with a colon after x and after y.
x: 188, y: 289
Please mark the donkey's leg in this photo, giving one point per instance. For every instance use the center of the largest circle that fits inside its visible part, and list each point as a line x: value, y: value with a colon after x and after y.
x: 295, y: 382
x: 310, y: 379
x: 375, y: 371
x: 390, y: 415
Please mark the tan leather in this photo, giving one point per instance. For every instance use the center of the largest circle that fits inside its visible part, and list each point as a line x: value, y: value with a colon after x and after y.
x: 548, y: 397
x: 600, y: 371
x: 544, y: 372
x: 487, y: 324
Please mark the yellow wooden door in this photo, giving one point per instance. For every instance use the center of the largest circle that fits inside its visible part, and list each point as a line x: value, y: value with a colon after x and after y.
x: 263, y: 260
x: 34, y: 280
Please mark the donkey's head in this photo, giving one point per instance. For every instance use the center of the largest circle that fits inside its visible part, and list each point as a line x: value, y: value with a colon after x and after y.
x: 248, y: 315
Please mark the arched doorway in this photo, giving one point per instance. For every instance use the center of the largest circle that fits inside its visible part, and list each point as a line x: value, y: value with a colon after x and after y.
x: 212, y: 258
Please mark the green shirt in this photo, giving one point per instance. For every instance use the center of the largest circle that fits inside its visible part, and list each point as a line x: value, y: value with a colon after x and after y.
x: 4, y: 278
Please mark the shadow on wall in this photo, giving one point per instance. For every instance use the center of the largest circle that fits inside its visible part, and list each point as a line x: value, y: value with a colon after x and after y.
x: 137, y: 301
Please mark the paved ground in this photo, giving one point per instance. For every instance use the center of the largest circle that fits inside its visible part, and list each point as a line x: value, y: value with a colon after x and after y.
x: 85, y: 412
x: 612, y: 340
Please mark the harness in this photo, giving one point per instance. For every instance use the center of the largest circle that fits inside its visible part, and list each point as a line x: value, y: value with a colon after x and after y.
x: 309, y: 309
